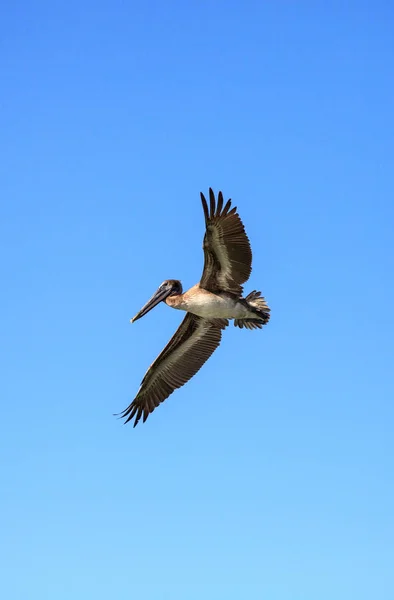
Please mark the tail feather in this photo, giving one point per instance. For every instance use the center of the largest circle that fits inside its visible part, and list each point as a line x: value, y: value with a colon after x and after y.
x: 248, y: 323
x: 257, y: 304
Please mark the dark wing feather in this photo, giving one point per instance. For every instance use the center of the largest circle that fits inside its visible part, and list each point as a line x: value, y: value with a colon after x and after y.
x: 227, y: 253
x: 190, y: 347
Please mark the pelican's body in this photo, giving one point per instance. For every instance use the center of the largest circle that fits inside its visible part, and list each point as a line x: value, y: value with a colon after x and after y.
x: 209, y: 305
x: 206, y: 304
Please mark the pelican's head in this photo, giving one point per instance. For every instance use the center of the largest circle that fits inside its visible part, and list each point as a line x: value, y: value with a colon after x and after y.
x: 170, y: 287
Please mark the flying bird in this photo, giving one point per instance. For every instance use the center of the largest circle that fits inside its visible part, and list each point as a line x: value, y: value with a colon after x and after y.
x: 208, y: 306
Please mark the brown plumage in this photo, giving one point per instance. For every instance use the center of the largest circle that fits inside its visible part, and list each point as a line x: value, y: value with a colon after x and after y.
x: 209, y: 305
x: 189, y: 348
x: 227, y: 253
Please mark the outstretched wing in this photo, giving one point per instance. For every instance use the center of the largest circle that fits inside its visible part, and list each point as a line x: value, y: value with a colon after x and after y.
x: 190, y: 347
x: 227, y: 253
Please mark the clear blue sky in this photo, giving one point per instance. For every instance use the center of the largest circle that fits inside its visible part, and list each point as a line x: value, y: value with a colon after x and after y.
x: 269, y: 475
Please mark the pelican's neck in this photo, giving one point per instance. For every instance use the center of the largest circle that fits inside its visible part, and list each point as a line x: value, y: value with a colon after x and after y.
x: 176, y: 301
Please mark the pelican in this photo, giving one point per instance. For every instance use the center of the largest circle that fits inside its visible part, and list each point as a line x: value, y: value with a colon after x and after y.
x: 209, y: 305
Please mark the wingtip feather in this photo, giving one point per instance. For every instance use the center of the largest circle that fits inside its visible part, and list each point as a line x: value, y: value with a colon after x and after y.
x: 219, y: 204
x: 226, y: 207
x: 212, y: 203
x: 204, y: 206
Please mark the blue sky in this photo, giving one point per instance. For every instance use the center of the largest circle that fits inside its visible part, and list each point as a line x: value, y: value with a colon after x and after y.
x: 269, y: 475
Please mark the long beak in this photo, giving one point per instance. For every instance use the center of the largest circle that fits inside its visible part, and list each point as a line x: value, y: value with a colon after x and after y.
x: 160, y: 295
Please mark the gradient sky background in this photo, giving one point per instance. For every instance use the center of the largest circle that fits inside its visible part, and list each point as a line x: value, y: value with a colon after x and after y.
x: 270, y: 475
